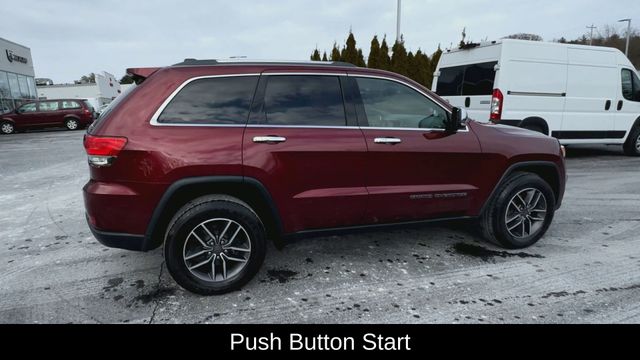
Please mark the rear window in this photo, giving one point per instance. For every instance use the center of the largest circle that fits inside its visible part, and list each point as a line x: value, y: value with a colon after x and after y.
x: 224, y: 101
x: 88, y: 104
x: 68, y: 104
x: 467, y: 80
x: 49, y: 106
x: 111, y: 106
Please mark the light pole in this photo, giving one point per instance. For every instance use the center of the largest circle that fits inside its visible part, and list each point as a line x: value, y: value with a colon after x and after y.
x: 398, y: 34
x: 628, y: 21
x: 591, y: 38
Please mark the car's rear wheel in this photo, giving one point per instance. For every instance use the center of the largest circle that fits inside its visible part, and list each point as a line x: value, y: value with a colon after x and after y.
x: 215, y: 244
x: 632, y: 146
x: 72, y: 124
x: 7, y: 128
x: 520, y: 213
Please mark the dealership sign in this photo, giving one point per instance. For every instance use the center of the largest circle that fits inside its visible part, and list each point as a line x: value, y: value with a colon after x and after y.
x: 13, y: 57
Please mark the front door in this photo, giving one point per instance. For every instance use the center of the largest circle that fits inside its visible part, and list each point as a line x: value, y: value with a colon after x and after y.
x: 300, y: 146
x: 415, y: 170
x: 627, y: 105
x: 27, y: 115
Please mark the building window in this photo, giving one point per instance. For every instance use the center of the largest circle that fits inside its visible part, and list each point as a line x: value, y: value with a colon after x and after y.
x: 13, y: 85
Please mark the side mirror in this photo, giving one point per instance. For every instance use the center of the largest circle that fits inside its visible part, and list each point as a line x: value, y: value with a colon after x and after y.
x: 456, y: 120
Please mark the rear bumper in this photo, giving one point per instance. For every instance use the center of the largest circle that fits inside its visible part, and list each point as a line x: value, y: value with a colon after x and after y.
x: 117, y: 240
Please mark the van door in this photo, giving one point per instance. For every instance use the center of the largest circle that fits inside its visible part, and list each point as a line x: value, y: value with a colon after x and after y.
x: 469, y: 87
x: 627, y: 104
x: 591, y: 90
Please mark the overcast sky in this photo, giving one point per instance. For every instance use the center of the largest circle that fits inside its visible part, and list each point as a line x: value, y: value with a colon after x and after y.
x: 70, y: 38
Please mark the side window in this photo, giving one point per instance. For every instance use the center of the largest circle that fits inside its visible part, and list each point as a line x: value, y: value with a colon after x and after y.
x: 223, y: 101
x: 304, y: 100
x: 27, y: 108
x: 49, y: 106
x: 630, y: 85
x: 70, y: 105
x: 390, y: 104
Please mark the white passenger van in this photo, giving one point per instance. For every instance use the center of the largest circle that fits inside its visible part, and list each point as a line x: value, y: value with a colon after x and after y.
x: 578, y: 94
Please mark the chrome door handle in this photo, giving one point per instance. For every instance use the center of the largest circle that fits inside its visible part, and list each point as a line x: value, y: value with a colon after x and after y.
x: 387, y: 141
x: 269, y: 139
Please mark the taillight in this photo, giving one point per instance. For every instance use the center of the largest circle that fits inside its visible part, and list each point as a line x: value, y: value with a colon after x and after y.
x: 496, y: 105
x: 103, y: 150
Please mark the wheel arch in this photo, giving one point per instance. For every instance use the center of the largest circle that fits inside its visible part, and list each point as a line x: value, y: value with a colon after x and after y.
x: 536, y: 121
x: 547, y: 170
x: 248, y: 190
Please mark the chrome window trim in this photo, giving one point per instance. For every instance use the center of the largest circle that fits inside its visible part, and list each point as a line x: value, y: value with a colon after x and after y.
x: 156, y: 115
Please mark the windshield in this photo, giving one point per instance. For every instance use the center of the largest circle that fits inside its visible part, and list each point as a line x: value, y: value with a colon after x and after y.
x: 112, y: 106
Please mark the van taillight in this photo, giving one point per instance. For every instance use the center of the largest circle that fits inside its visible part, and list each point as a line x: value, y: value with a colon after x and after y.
x: 103, y: 150
x: 496, y: 105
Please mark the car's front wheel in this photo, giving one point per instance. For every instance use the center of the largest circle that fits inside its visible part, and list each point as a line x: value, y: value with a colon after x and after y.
x: 7, y: 128
x: 632, y: 146
x: 215, y: 244
x: 520, y: 213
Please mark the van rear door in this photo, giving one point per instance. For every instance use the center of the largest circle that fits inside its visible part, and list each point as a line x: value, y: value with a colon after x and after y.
x: 469, y: 87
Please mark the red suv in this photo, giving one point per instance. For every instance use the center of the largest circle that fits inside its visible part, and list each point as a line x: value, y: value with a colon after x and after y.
x: 213, y: 159
x: 72, y: 114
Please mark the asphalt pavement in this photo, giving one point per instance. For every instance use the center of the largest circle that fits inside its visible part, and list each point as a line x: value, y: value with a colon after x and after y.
x: 586, y: 270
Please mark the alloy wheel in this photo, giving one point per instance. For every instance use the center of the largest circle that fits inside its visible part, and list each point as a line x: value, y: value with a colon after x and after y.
x: 217, y: 250
x: 526, y: 213
x: 72, y: 124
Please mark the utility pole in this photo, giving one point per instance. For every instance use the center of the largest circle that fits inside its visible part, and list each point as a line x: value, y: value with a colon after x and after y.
x: 628, y: 21
x: 399, y: 34
x: 591, y: 38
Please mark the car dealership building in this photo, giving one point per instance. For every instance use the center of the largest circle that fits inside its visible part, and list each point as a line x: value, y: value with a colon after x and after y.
x: 17, y: 84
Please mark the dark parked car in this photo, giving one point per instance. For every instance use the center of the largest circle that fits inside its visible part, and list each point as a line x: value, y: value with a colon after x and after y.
x: 214, y: 159
x: 72, y: 114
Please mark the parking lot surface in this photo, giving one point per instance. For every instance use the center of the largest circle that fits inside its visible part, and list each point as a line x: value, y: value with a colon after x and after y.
x: 587, y: 268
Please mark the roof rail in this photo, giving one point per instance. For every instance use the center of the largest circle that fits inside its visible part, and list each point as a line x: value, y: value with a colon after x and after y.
x: 210, y: 62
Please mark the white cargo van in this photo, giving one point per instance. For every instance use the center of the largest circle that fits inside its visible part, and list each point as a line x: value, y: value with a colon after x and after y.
x: 578, y: 94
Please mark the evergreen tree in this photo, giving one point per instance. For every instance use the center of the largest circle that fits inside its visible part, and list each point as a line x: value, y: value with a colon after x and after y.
x: 360, y: 62
x: 350, y: 51
x: 374, y: 54
x: 424, y: 75
x: 384, y: 61
x: 399, y: 58
x: 316, y: 55
x: 435, y: 59
x: 324, y: 56
x: 412, y: 68
x: 335, y: 53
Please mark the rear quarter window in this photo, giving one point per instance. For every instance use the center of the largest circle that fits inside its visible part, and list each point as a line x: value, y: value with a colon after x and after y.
x: 71, y: 105
x: 223, y: 101
x: 467, y: 80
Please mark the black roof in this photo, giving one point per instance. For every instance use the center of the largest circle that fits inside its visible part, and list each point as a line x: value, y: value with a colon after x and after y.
x: 212, y: 62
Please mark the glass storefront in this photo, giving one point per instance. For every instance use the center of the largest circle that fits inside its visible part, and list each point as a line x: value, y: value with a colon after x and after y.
x: 15, y: 90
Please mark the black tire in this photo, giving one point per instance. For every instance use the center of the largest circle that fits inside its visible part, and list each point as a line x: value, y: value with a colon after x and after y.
x: 493, y: 220
x: 632, y: 145
x: 72, y: 124
x: 7, y: 127
x: 199, y: 211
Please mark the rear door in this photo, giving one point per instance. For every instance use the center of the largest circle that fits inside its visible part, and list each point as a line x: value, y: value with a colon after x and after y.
x: 415, y: 170
x: 50, y: 113
x: 303, y: 144
x: 469, y: 87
